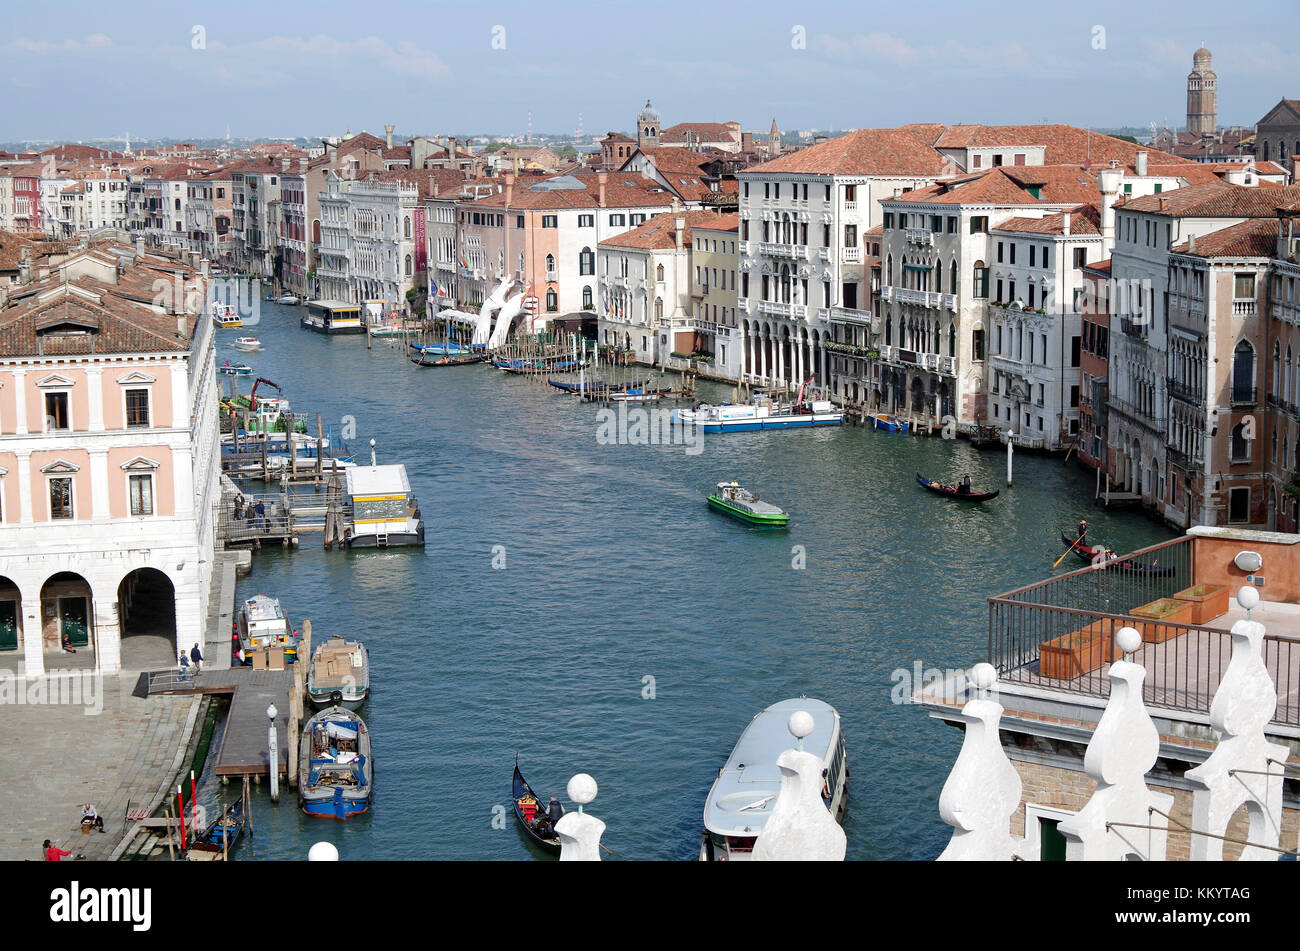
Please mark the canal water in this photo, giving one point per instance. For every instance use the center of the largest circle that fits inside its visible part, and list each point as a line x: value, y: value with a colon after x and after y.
x: 632, y: 633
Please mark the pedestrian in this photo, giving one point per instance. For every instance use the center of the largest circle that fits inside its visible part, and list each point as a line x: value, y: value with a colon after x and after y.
x: 52, y: 852
x: 196, y: 657
x: 239, y: 507
x: 259, y: 510
x: 183, y: 663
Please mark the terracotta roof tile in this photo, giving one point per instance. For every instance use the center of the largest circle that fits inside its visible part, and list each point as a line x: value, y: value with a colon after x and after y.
x: 660, y: 232
x: 864, y: 152
x: 1214, y: 200
x: 1255, y: 237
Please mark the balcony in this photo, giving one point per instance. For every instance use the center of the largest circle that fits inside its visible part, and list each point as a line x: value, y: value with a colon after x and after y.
x: 1244, y: 308
x: 850, y: 206
x: 851, y: 255
x: 552, y: 276
x: 919, y: 237
x: 950, y: 302
x: 1243, y: 396
x: 910, y: 295
x: 1147, y: 419
x: 824, y: 254
x: 1186, y: 392
x: 792, y: 251
x: 771, y: 308
x: 846, y: 315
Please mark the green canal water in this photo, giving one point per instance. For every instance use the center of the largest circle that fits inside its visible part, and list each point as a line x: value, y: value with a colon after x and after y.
x: 633, y: 633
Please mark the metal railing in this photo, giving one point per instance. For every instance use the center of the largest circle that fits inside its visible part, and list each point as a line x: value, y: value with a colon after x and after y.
x: 1184, y: 662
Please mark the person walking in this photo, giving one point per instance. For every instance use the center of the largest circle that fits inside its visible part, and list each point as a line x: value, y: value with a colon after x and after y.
x: 196, y: 658
x: 239, y: 507
x: 52, y: 852
x: 183, y: 663
x: 260, y: 511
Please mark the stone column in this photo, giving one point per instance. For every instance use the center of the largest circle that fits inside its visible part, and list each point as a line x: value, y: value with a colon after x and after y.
x: 23, y: 463
x: 33, y: 633
x: 95, y: 398
x: 107, y: 631
x: 99, y: 501
x: 20, y: 402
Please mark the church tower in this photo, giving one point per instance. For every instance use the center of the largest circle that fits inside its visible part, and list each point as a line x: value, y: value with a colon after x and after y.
x: 774, y: 140
x: 647, y: 128
x: 1202, y: 95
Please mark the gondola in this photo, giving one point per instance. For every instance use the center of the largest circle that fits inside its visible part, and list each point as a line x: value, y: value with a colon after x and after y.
x: 540, y: 830
x: 1088, y: 553
x: 949, y: 492
x: 425, y: 360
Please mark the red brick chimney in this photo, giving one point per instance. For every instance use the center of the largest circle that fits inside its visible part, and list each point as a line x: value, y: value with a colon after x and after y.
x: 510, y: 189
x: 602, y: 179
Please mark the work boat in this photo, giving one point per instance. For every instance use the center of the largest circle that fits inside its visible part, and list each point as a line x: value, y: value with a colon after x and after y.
x: 738, y: 502
x: 265, y: 635
x: 224, y: 315
x: 742, y: 796
x: 339, y: 674
x: 335, y: 772
x: 761, y: 412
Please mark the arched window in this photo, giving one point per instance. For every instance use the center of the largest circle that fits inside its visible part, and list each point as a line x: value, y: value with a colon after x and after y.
x: 552, y: 301
x: 980, y: 279
x: 586, y: 261
x: 1240, y: 444
x: 550, y: 264
x: 408, y: 265
x: 1243, y: 373
x: 586, y: 299
x: 889, y: 331
x: 952, y: 277
x: 952, y: 338
x: 406, y: 226
x: 1265, y: 151
x: 659, y: 274
x: 889, y: 270
x: 659, y: 308
x: 1277, y: 367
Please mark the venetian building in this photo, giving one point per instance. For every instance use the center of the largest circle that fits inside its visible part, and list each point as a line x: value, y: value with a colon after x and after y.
x: 1202, y: 95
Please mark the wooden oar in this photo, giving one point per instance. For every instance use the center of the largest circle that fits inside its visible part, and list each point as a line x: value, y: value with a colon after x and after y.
x: 1068, y: 550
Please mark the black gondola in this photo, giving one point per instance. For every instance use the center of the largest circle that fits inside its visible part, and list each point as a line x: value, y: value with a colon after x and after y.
x: 541, y: 830
x: 950, y: 492
x: 423, y: 360
x: 1088, y: 553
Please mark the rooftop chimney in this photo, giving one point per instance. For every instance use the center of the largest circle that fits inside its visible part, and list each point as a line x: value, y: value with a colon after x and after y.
x: 679, y: 223
x: 602, y: 178
x: 1191, y: 244
x: 284, y: 163
x: 302, y: 163
x: 1065, y: 223
x: 388, y: 134
x: 510, y: 188
x: 1141, y: 164
x: 1109, y: 180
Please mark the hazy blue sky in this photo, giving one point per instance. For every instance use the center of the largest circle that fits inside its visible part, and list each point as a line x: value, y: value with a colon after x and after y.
x: 90, y: 69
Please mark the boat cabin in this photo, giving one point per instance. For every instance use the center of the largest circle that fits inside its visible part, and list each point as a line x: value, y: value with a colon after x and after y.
x: 747, y: 785
x: 384, y: 512
x: 333, y: 317
x: 336, y: 758
x: 225, y: 315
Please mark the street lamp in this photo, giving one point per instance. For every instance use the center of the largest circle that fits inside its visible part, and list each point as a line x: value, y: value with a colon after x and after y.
x: 273, y: 754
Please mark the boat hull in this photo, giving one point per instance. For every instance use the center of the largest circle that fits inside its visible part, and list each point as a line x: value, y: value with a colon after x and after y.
x: 519, y: 789
x: 890, y: 424
x: 321, y: 792
x: 751, y: 518
x: 332, y: 329
x: 747, y: 424
x: 948, y: 492
x: 335, y: 807
x: 394, y: 540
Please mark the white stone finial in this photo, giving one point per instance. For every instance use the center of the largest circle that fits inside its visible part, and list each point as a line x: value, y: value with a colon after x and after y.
x: 982, y: 792
x: 1127, y: 639
x: 800, y: 725
x: 1239, y: 771
x: 800, y: 828
x: 271, y: 712
x: 323, y: 852
x: 580, y: 833
x: 582, y: 789
x: 1247, y: 597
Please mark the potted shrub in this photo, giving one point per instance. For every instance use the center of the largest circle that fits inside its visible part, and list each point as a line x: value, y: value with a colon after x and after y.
x: 1158, y: 616
x: 1077, y: 653
x: 1208, y: 601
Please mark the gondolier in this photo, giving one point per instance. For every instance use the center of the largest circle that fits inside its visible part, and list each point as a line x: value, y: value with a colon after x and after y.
x: 1083, y: 531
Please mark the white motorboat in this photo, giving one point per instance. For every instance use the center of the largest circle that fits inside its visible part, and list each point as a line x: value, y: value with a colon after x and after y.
x: 288, y: 299
x: 247, y: 343
x: 742, y: 796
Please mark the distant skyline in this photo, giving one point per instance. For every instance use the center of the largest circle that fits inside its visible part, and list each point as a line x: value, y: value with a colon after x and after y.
x: 81, y: 70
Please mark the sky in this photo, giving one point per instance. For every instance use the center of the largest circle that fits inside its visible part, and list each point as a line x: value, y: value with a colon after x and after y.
x: 85, y: 70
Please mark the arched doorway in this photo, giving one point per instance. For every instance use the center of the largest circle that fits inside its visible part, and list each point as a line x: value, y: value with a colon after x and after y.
x: 11, y: 617
x: 67, y: 615
x: 146, y: 609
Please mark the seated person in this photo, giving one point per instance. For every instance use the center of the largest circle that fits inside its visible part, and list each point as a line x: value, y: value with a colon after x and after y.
x: 91, y: 817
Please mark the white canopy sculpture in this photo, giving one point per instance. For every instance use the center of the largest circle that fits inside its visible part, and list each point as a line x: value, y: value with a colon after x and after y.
x: 490, y: 306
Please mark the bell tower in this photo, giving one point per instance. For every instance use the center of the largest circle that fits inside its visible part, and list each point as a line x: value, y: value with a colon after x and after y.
x: 1202, y: 95
x: 647, y: 127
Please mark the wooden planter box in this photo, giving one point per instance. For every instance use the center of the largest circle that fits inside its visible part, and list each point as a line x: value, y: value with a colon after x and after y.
x: 1158, y: 616
x: 1208, y: 601
x: 1077, y: 653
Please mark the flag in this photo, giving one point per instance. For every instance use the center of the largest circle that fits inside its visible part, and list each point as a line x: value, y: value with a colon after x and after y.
x: 436, y: 289
x: 463, y: 263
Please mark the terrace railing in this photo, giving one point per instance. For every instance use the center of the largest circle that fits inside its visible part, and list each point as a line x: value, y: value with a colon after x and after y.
x: 1184, y: 662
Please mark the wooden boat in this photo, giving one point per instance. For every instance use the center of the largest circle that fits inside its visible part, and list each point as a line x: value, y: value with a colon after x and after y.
x: 531, y: 813
x: 339, y: 674
x: 955, y: 492
x: 889, y: 424
x: 740, y: 802
x: 739, y: 503
x: 218, y: 839
x: 433, y: 360
x: 335, y: 772
x: 235, y: 369
x: 596, y: 386
x: 1088, y: 553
